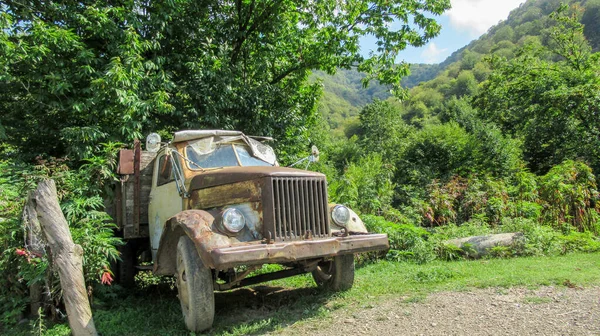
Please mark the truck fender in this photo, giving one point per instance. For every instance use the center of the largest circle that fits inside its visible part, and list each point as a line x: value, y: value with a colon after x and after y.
x: 355, y: 225
x: 196, y: 224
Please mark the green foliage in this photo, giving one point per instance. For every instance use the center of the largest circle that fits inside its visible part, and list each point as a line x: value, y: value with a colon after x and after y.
x: 80, y: 198
x: 365, y: 186
x: 501, y: 252
x: 407, y: 242
x: 580, y: 242
x: 83, y: 73
x: 437, y: 151
x: 548, y: 103
x: 38, y: 326
x: 570, y: 190
x: 448, y: 252
x: 382, y: 131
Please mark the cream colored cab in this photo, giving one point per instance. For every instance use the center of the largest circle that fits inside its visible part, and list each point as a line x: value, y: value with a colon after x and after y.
x: 165, y: 200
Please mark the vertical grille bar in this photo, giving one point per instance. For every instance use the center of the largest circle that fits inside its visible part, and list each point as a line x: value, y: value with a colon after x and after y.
x: 282, y: 232
x: 294, y: 223
x: 323, y: 203
x: 311, y: 207
x: 286, y: 194
x: 298, y: 207
x: 304, y: 224
x: 276, y: 207
x: 317, y: 225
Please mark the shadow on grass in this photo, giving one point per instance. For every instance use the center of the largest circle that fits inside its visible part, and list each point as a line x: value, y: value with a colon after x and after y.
x: 256, y: 310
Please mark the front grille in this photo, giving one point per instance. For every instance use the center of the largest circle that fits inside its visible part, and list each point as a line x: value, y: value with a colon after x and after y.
x: 300, y: 206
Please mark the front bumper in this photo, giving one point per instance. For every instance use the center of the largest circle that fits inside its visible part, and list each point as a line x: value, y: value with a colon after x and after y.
x: 284, y: 252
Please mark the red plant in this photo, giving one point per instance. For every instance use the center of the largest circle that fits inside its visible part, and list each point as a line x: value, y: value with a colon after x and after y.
x: 107, y: 277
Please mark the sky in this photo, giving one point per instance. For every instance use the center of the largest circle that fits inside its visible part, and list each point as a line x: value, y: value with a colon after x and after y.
x: 466, y: 21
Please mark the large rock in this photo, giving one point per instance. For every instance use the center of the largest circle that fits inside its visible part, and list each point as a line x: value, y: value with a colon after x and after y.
x: 483, y: 244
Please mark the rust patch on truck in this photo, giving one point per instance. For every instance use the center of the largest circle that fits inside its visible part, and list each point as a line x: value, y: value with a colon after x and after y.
x: 196, y: 224
x: 235, y: 193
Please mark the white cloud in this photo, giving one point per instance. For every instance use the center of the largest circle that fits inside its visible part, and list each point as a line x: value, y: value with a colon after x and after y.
x: 432, y: 54
x: 477, y: 16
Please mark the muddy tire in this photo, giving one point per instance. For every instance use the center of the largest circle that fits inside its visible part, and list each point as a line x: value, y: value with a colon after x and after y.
x: 195, y: 287
x: 336, y: 274
x: 125, y: 270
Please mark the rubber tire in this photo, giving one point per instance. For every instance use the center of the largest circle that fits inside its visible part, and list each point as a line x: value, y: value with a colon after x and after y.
x: 339, y: 273
x: 195, y: 287
x: 126, y: 266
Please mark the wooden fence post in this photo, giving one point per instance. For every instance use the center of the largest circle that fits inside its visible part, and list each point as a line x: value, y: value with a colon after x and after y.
x: 66, y: 255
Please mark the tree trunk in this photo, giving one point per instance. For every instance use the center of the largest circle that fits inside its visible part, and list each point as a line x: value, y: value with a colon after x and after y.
x: 34, y: 243
x: 483, y: 244
x: 67, y: 256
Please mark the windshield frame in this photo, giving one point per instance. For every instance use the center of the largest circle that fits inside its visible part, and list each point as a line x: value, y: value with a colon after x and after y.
x: 193, y: 167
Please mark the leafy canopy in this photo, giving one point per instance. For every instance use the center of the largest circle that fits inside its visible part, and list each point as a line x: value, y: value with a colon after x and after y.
x: 79, y: 73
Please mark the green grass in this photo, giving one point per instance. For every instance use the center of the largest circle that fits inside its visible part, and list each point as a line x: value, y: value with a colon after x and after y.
x: 156, y: 310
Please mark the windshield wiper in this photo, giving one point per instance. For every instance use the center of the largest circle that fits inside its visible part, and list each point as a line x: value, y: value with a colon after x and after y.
x: 188, y: 160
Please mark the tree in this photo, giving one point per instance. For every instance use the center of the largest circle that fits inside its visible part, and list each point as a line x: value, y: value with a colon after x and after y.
x: 551, y: 105
x: 79, y: 73
x: 383, y: 131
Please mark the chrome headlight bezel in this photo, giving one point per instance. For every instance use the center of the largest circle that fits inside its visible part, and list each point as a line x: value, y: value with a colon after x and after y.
x: 340, y: 215
x: 233, y: 220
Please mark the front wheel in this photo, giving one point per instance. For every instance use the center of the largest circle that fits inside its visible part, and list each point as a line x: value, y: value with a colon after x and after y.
x: 195, y: 287
x: 336, y: 274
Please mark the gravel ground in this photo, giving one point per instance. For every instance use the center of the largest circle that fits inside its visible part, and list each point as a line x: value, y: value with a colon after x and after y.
x: 493, y: 311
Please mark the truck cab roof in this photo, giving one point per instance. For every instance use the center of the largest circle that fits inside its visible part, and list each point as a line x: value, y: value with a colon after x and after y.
x: 189, y: 135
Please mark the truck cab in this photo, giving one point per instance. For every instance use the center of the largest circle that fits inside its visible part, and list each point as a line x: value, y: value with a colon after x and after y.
x: 219, y: 207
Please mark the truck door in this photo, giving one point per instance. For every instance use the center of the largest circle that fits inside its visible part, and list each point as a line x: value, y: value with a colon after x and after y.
x: 165, y: 200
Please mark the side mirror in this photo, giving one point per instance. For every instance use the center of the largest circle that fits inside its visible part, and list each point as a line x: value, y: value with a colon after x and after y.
x: 314, y: 151
x: 313, y: 157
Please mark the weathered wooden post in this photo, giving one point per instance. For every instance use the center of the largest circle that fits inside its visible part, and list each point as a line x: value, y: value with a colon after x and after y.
x: 34, y: 243
x: 66, y: 255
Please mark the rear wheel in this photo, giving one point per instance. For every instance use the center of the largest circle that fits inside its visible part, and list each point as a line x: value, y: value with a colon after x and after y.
x: 125, y: 270
x: 195, y: 287
x: 336, y: 274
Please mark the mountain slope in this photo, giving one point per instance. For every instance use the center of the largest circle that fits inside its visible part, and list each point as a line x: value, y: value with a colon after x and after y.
x: 461, y: 72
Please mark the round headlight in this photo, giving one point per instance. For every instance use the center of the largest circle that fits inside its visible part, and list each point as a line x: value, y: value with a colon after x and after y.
x: 340, y: 215
x: 233, y: 220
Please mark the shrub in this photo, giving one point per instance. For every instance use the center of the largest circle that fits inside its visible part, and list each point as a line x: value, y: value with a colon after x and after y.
x: 579, y: 242
x: 80, y: 196
x: 569, y: 191
x: 448, y: 252
x: 366, y: 185
x: 407, y: 242
x: 462, y: 199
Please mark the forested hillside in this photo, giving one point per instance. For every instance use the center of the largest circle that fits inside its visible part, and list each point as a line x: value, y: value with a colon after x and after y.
x: 462, y: 71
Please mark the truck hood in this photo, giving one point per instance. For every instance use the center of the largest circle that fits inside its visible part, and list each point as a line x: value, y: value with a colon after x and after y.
x: 229, y: 175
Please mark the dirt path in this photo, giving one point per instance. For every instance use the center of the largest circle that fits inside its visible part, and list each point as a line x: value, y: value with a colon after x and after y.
x: 515, y: 311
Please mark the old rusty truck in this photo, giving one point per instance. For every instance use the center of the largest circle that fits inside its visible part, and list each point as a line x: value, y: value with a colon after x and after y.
x: 212, y: 206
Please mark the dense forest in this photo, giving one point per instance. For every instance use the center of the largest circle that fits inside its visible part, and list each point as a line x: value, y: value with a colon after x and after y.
x: 503, y: 136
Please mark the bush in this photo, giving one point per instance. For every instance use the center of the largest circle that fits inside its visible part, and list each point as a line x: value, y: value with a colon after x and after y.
x: 80, y: 195
x: 407, y: 242
x: 579, y: 242
x: 365, y: 186
x: 462, y: 199
x: 570, y: 193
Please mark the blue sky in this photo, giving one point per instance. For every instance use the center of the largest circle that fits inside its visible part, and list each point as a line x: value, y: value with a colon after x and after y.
x: 466, y: 21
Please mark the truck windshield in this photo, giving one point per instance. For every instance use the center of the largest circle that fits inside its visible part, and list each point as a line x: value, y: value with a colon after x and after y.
x: 225, y: 155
